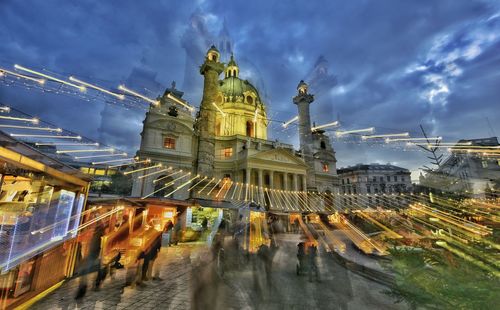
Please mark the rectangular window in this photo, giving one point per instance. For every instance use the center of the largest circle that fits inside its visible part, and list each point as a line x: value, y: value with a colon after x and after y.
x: 325, y: 168
x: 395, y: 178
x: 227, y: 152
x: 388, y: 178
x: 485, y: 164
x: 169, y: 143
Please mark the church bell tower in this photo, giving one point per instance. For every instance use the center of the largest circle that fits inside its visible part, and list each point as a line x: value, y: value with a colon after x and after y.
x: 210, y: 69
x: 303, y: 100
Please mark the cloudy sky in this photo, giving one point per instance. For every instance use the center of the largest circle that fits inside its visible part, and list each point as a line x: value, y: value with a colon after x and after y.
x: 398, y: 64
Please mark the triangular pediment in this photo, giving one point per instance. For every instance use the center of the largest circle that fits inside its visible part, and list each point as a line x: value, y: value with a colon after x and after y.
x: 279, y: 156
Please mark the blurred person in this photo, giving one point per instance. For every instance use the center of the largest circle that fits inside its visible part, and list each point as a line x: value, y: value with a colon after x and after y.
x: 312, y: 254
x: 91, y: 260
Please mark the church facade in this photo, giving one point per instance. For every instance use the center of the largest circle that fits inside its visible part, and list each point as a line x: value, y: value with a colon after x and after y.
x: 228, y: 139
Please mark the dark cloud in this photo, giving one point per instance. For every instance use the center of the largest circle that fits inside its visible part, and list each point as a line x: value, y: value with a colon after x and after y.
x: 398, y: 63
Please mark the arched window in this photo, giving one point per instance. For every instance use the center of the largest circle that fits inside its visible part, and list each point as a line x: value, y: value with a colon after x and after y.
x: 249, y: 99
x: 234, y: 72
x: 214, y: 57
x: 249, y: 129
x: 323, y: 145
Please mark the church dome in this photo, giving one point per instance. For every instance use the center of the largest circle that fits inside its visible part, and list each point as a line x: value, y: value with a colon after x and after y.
x: 238, y: 90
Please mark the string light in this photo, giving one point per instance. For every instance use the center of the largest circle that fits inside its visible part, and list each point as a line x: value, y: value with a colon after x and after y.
x: 182, y: 185
x: 332, y: 124
x: 22, y: 119
x: 80, y: 88
x: 125, y: 89
x: 179, y: 101
x: 112, y: 161
x: 32, y: 128
x: 99, y: 156
x: 197, y: 183
x: 342, y: 133
x: 44, y: 136
x: 130, y: 164
x: 166, y: 176
x: 404, y: 134
x: 287, y: 123
x: 39, y: 81
x: 219, y: 109
x: 83, y: 151
x: 119, y: 96
x: 155, y: 172
x: 411, y: 139
x: 66, y: 144
x: 142, y: 169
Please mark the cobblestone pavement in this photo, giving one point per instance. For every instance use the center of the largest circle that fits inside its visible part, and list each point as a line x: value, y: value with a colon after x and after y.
x: 190, y: 281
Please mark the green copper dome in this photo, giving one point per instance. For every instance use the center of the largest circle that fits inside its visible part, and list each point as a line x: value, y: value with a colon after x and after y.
x: 234, y: 87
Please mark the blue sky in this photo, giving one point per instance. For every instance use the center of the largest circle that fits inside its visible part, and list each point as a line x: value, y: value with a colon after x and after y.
x: 398, y: 64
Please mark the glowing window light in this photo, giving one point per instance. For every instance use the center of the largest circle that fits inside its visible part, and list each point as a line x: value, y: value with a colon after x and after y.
x: 336, y: 123
x: 79, y: 87
x: 44, y: 136
x: 219, y: 109
x: 411, y: 139
x: 112, y: 161
x: 142, y: 169
x: 32, y: 128
x: 125, y: 89
x: 389, y: 135
x: 66, y: 144
x: 22, y: 119
x: 119, y: 96
x: 39, y: 81
x: 99, y: 156
x: 5, y: 109
x: 178, y: 101
x: 84, y: 151
x: 346, y: 132
x: 294, y: 119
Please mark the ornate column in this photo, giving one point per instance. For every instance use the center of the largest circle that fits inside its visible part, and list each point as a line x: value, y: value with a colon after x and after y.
x: 295, y: 182
x: 260, y: 184
x: 304, y: 183
x: 248, y: 175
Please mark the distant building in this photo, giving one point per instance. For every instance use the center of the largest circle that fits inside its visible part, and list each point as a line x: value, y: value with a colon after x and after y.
x: 374, y: 179
x: 468, y: 171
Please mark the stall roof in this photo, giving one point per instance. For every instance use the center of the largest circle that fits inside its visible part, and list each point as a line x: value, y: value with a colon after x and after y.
x: 20, y: 153
x: 138, y: 202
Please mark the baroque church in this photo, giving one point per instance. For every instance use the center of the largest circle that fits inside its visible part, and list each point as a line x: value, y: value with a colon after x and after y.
x: 228, y: 138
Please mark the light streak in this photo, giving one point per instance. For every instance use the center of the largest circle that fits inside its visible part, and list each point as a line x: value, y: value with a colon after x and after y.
x: 84, y: 151
x: 111, y: 161
x: 45, y: 136
x: 79, y: 87
x: 130, y: 164
x: 221, y: 188
x: 412, y: 139
x: 341, y: 133
x: 182, y: 185
x: 153, y: 173
x: 119, y: 96
x: 32, y: 128
x: 5, y: 109
x: 219, y: 109
x: 166, y: 176
x: 210, y: 191
x: 142, y: 169
x: 287, y: 123
x: 40, y: 81
x: 99, y: 156
x: 404, y: 134
x: 449, y: 144
x: 164, y: 187
x: 125, y: 89
x: 234, y: 191
x: 197, y: 183
x: 66, y: 144
x: 336, y: 123
x: 22, y: 119
x: 182, y: 103
x: 206, y: 185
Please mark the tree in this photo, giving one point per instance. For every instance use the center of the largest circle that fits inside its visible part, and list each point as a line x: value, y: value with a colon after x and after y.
x: 120, y: 184
x: 436, y: 279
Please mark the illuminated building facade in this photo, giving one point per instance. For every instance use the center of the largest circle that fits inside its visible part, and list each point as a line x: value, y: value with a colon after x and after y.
x: 228, y: 139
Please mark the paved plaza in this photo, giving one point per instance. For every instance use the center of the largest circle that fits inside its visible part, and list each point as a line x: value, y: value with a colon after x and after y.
x: 191, y: 281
